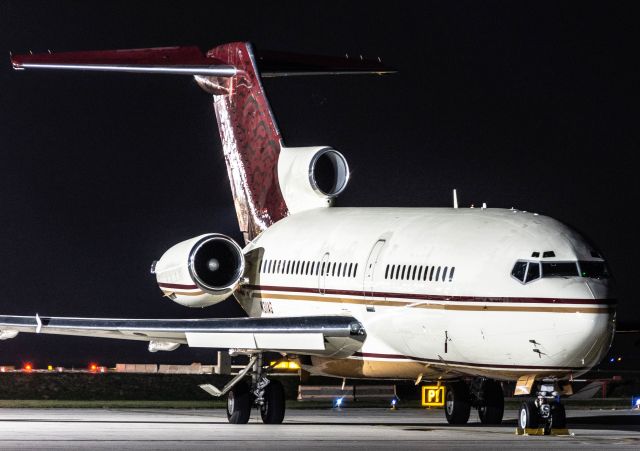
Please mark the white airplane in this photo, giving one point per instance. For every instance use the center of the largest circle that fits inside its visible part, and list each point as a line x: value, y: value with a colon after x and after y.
x: 469, y: 297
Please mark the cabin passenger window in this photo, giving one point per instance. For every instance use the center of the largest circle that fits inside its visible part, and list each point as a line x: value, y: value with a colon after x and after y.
x: 438, y: 274
x: 339, y: 269
x: 444, y: 273
x: 386, y: 272
x: 355, y: 270
x: 453, y: 269
x: 424, y: 276
x: 420, y: 273
x: 404, y: 269
x: 431, y: 273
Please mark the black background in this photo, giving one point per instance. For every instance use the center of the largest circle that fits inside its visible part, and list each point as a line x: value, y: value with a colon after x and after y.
x: 531, y: 105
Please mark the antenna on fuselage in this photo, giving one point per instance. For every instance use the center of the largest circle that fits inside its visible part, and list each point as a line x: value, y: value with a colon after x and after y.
x: 455, y: 198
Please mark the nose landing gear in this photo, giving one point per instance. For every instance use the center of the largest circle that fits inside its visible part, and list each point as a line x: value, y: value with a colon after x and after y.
x: 544, y: 415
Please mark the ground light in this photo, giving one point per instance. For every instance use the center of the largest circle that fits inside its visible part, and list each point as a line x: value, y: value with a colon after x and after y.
x: 28, y: 367
x: 635, y: 402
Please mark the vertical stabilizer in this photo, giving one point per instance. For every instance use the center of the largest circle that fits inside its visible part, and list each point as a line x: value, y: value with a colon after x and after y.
x: 250, y: 138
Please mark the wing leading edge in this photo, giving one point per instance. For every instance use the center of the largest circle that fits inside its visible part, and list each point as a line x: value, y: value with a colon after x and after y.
x: 318, y: 335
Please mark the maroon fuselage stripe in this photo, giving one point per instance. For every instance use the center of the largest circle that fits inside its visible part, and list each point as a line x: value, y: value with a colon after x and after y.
x: 178, y: 286
x: 451, y: 362
x: 432, y: 297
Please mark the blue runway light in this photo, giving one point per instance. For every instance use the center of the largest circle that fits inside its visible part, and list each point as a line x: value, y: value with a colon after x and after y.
x: 612, y: 360
x: 338, y: 403
x: 635, y: 402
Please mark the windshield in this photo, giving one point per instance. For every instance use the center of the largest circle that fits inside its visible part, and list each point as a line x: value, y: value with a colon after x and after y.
x: 593, y: 269
x: 560, y: 269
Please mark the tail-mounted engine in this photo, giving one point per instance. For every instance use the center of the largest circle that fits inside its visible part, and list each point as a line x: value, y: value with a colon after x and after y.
x: 201, y: 271
x: 311, y: 177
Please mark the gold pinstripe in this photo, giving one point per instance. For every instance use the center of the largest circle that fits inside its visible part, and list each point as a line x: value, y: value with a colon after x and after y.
x: 431, y: 305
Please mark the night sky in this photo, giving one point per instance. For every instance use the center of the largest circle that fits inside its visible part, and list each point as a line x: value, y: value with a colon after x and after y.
x: 529, y: 105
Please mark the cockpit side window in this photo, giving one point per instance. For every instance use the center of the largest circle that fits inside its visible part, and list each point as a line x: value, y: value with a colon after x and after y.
x: 519, y: 270
x: 594, y: 269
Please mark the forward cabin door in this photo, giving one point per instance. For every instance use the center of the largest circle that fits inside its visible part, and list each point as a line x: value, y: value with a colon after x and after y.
x: 369, y: 273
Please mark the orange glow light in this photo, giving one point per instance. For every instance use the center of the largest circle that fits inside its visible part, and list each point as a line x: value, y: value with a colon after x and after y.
x: 28, y: 367
x: 93, y: 367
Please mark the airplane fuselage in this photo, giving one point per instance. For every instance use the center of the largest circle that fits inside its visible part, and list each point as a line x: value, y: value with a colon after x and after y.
x: 437, y: 291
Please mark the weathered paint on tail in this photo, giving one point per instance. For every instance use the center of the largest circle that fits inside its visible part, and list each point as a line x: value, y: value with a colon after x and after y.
x: 251, y: 141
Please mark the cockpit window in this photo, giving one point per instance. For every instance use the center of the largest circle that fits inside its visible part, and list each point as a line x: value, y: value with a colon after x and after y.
x: 559, y: 269
x: 527, y: 272
x: 593, y: 269
x: 519, y: 270
x: 533, y: 272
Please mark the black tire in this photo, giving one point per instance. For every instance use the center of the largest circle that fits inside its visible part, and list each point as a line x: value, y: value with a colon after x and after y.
x: 492, y: 409
x: 558, y: 416
x: 272, y: 411
x: 528, y: 416
x: 457, y: 406
x: 239, y: 403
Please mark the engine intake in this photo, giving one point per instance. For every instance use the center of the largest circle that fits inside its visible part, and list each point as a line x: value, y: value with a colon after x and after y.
x: 311, y: 177
x: 329, y: 172
x: 201, y: 271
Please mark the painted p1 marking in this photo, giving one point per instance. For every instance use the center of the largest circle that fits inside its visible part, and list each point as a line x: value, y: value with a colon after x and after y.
x: 433, y: 395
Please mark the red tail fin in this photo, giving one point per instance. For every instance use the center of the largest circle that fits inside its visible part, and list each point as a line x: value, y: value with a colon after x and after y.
x: 250, y: 138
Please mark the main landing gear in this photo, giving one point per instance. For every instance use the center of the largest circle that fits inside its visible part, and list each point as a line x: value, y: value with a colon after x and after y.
x: 261, y: 392
x: 484, y: 394
x: 545, y: 412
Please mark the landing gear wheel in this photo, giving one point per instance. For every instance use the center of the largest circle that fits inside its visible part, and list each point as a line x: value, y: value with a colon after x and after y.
x: 492, y: 409
x: 272, y: 411
x: 457, y: 406
x: 558, y: 416
x: 528, y: 418
x: 239, y: 403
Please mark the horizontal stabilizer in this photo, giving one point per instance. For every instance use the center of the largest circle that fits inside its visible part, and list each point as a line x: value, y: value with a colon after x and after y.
x: 164, y: 60
x: 280, y: 64
x: 192, y: 61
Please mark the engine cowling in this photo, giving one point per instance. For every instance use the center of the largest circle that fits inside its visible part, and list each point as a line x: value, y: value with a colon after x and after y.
x: 201, y: 271
x: 311, y: 177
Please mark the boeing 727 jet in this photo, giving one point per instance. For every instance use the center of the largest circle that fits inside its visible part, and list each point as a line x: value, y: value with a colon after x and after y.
x: 470, y: 297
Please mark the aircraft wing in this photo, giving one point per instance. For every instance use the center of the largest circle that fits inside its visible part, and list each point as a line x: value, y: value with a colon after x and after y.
x: 318, y: 335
